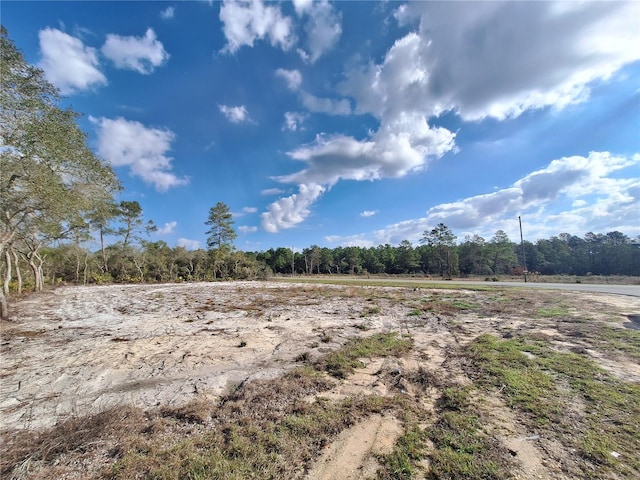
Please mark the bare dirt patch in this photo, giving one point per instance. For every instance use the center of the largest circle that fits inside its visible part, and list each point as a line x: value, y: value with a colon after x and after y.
x: 79, y: 351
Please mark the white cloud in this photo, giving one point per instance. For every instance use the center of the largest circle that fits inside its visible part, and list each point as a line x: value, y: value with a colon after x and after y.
x: 368, y: 213
x: 497, y: 59
x: 401, y: 146
x: 293, y: 121
x: 289, y: 211
x: 302, y: 6
x: 235, y: 114
x: 572, y: 194
x: 167, y: 13
x: 141, y: 54
x: 272, y: 191
x: 292, y: 77
x: 167, y: 228
x: 244, y: 22
x: 249, y: 209
x: 143, y: 149
x: 188, y: 244
x: 323, y: 27
x: 325, y: 105
x: 350, y: 241
x: 246, y: 230
x: 68, y: 63
x: 395, y: 150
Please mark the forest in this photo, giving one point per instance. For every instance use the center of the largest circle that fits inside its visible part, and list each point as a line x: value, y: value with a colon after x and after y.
x: 60, y: 222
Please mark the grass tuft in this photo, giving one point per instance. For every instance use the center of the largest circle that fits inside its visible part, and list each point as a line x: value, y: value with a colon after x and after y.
x: 341, y: 363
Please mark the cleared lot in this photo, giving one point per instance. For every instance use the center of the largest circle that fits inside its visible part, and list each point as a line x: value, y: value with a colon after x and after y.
x: 202, y: 348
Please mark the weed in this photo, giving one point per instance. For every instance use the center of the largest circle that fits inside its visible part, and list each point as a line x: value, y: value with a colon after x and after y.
x: 325, y: 337
x: 368, y: 311
x: 304, y: 357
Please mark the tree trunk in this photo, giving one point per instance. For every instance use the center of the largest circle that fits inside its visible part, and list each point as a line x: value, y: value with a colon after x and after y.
x: 4, y: 308
x: 104, y: 253
x: 7, y: 272
x: 86, y: 267
x: 18, y: 272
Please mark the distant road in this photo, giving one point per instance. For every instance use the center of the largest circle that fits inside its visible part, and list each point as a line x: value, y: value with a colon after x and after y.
x: 631, y: 290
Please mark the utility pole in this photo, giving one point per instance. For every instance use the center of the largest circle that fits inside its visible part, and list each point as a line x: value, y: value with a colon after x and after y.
x: 524, y: 257
x: 293, y: 262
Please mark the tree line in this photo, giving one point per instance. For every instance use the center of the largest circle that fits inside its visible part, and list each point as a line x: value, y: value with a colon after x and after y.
x: 57, y: 202
x: 438, y: 255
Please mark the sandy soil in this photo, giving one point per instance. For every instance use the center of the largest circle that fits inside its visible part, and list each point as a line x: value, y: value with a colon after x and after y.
x: 79, y: 350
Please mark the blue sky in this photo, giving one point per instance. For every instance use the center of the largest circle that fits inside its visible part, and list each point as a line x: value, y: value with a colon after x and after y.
x: 354, y: 123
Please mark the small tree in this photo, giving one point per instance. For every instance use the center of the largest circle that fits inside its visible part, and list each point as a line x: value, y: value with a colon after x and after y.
x: 442, y: 240
x: 221, y: 222
x: 220, y: 238
x: 130, y: 213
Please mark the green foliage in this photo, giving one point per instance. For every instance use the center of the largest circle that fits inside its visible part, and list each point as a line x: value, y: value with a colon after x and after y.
x: 50, y: 181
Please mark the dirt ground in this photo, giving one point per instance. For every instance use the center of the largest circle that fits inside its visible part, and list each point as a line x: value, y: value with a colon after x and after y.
x: 80, y: 350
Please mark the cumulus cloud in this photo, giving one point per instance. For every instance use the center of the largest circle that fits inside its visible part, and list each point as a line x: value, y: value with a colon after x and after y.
x: 188, y: 244
x: 401, y: 146
x: 167, y: 13
x: 325, y: 105
x: 572, y: 194
x: 290, y: 211
x: 246, y: 229
x: 293, y: 121
x: 141, y: 54
x: 235, y: 114
x: 292, y: 77
x: 142, y: 149
x: 323, y: 27
x: 497, y: 59
x: 394, y: 151
x: 167, y: 228
x: 244, y: 22
x: 68, y: 63
x: 302, y: 6
x: 368, y: 213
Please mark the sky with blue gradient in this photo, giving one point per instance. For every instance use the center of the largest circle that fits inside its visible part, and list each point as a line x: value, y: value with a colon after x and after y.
x: 354, y: 123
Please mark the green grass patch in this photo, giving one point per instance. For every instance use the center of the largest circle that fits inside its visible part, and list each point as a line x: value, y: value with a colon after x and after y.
x: 545, y: 385
x: 461, y: 449
x: 552, y: 311
x: 342, y: 362
x: 409, y: 449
